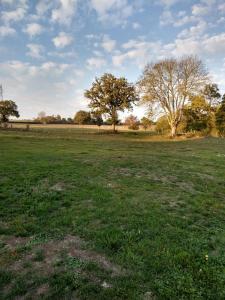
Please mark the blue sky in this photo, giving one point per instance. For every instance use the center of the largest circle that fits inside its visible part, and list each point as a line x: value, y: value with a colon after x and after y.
x: 51, y: 50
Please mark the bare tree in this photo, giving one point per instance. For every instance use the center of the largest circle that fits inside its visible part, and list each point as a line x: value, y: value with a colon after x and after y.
x: 168, y: 84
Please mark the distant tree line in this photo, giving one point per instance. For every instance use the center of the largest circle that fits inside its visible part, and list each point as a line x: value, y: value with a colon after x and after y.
x: 177, y: 92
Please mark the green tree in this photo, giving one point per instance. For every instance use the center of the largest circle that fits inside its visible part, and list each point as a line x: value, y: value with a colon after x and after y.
x: 146, y: 123
x: 96, y: 117
x: 82, y: 117
x: 212, y: 95
x: 220, y: 118
x: 132, y: 122
x: 41, y: 117
x: 109, y: 94
x: 8, y: 108
x: 109, y: 121
x: 167, y: 85
x: 197, y: 114
x: 162, y: 125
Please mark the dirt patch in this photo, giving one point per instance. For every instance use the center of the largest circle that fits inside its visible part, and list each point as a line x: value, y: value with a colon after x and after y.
x: 43, y: 289
x: 58, y: 187
x: 45, y: 185
x: 121, y: 171
x: 52, y: 250
x: 149, y: 296
x: 13, y: 242
x: 41, y: 185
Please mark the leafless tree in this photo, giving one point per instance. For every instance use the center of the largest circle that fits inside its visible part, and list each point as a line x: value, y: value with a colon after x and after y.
x: 168, y: 84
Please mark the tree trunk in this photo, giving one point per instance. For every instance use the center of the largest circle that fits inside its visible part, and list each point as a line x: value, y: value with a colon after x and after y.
x: 114, y: 119
x: 173, y: 130
x: 114, y: 126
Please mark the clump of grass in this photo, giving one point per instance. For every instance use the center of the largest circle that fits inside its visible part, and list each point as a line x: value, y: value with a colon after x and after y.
x: 39, y: 255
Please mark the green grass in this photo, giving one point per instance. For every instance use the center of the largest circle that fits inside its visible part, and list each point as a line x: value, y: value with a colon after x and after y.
x: 155, y: 210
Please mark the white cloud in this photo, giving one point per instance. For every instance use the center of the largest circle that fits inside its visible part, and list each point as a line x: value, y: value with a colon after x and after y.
x: 62, y: 40
x: 43, y: 6
x: 21, y: 3
x: 35, y: 50
x: 185, y: 20
x: 221, y: 7
x: 114, y: 11
x: 215, y: 44
x: 167, y: 2
x: 166, y: 18
x: 6, y: 31
x: 180, y: 19
x: 64, y: 12
x: 95, y: 62
x: 136, y: 25
x: 51, y: 87
x: 9, y: 2
x: 193, y: 31
x: 205, y: 46
x: 17, y: 12
x: 139, y: 52
x: 108, y: 44
x: 50, y: 66
x: 68, y: 54
x: 33, y: 29
x: 200, y: 10
x: 13, y: 16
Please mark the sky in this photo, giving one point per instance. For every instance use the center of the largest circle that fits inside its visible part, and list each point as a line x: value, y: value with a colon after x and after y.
x: 52, y: 50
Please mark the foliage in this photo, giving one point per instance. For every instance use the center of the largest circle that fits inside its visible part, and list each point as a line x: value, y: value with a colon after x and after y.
x: 212, y: 95
x: 8, y: 108
x: 44, y: 119
x: 82, y: 117
x: 146, y: 123
x: 220, y: 118
x: 109, y: 121
x: 197, y: 115
x: 162, y: 125
x: 109, y: 94
x: 96, y: 118
x: 167, y: 85
x: 132, y: 122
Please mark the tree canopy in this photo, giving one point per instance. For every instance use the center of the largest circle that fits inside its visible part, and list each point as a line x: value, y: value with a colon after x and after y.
x: 82, y: 117
x: 8, y: 108
x: 109, y: 94
x: 132, y: 122
x: 220, y: 118
x: 146, y: 122
x: 197, y: 114
x: 167, y: 85
x: 212, y: 94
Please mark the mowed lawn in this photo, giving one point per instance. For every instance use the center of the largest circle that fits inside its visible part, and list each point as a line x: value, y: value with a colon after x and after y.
x: 88, y: 215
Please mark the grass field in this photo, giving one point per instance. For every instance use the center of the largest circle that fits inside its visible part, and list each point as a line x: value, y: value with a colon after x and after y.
x: 85, y: 215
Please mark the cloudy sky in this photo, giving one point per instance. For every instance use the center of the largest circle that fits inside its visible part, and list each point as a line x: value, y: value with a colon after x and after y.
x: 51, y: 50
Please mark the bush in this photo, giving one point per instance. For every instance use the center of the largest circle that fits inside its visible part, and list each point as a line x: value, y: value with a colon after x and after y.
x: 132, y: 122
x: 162, y: 125
x: 220, y: 119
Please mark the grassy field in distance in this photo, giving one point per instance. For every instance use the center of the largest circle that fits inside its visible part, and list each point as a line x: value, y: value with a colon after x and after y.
x: 90, y: 215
